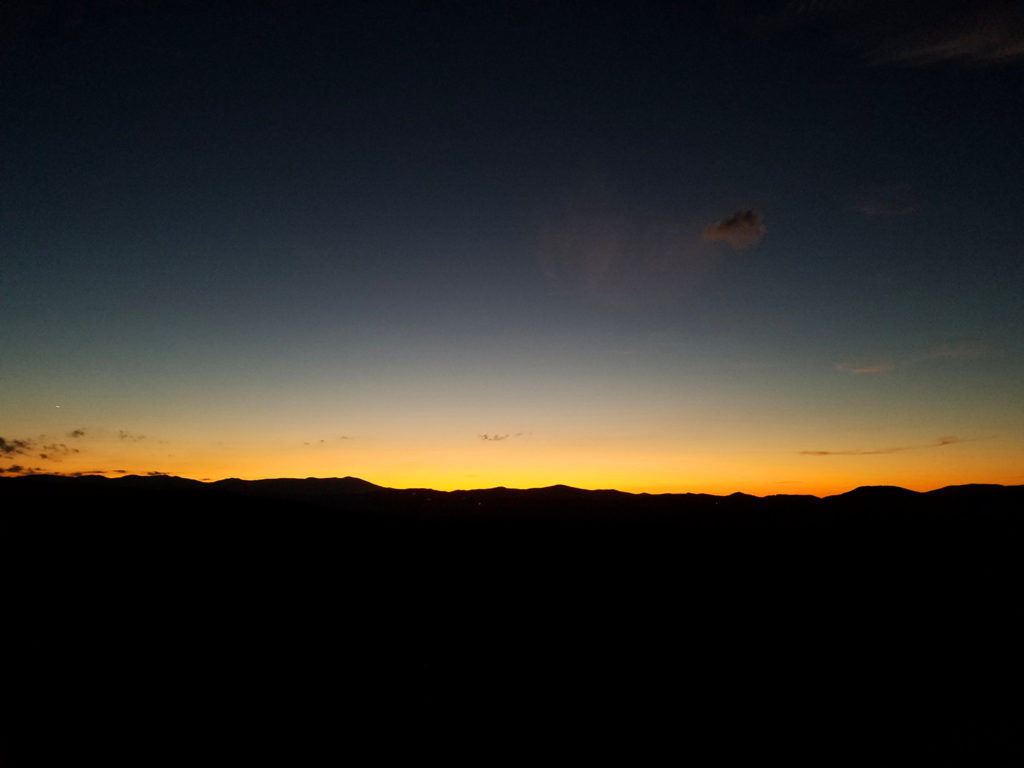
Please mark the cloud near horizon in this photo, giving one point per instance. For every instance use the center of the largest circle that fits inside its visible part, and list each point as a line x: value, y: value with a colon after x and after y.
x: 12, y: 447
x: 56, y: 451
x: 864, y: 367
x: 744, y: 229
x: 17, y: 469
x: 497, y: 437
x: 942, y: 441
x: 940, y: 353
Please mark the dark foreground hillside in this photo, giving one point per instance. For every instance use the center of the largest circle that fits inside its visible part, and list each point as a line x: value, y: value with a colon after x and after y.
x: 159, y: 621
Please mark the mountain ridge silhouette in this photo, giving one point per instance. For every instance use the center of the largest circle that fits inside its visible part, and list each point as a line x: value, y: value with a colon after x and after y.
x: 350, y: 484
x: 281, y: 618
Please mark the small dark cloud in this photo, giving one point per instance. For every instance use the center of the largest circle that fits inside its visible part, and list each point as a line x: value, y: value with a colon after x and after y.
x: 949, y: 440
x: 76, y: 433
x: 157, y: 474
x: 130, y: 437
x: 324, y: 441
x: 59, y: 449
x: 18, y: 469
x: 744, y: 229
x: 493, y: 438
x: 12, y: 447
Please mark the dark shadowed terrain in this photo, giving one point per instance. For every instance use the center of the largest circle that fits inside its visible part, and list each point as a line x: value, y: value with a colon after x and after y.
x: 302, y: 622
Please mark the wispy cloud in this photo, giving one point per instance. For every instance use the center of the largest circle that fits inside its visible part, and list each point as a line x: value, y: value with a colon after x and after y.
x: 322, y: 441
x: 978, y: 32
x: 495, y: 437
x: 18, y: 469
x: 13, y: 447
x: 940, y: 353
x: 597, y: 245
x: 76, y: 433
x: 129, y: 437
x: 744, y: 229
x: 911, y: 33
x: 856, y: 452
x: 942, y: 441
x: 57, y: 451
x: 864, y: 367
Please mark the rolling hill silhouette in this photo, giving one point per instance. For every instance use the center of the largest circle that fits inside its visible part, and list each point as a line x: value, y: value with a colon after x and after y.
x: 158, y: 620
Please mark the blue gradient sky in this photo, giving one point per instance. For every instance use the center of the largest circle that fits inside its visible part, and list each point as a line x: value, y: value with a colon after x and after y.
x: 227, y: 235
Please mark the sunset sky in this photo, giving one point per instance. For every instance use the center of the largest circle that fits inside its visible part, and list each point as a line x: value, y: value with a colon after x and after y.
x: 759, y: 247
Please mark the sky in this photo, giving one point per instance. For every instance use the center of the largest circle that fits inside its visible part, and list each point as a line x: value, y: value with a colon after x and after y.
x: 711, y: 247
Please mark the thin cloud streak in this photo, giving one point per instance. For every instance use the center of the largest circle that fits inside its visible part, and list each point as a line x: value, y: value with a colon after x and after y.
x: 942, y: 441
x: 991, y: 33
x: 909, y: 33
x: 864, y: 368
x: 941, y: 353
x: 499, y: 436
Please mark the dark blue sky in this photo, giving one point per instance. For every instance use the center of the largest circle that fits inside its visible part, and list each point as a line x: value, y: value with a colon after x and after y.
x: 200, y: 200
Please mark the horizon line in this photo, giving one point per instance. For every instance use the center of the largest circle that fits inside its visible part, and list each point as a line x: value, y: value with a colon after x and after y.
x: 208, y: 481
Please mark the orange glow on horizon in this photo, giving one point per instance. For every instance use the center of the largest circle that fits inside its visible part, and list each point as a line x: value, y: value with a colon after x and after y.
x: 653, y: 472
